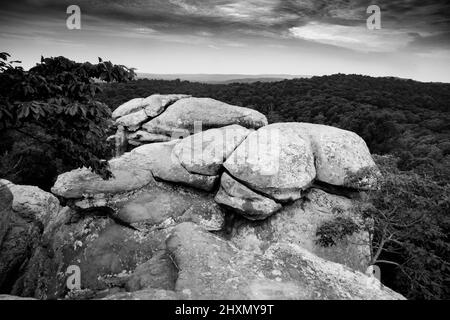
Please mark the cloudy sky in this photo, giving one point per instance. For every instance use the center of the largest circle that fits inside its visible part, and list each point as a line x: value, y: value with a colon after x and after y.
x: 302, y: 37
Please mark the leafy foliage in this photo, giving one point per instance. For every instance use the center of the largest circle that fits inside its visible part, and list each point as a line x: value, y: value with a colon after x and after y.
x: 54, y: 105
x: 333, y: 231
x: 409, y: 226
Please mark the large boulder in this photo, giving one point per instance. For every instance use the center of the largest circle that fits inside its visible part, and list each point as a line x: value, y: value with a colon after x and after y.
x: 248, y: 203
x: 341, y: 157
x: 128, y: 107
x: 33, y: 204
x: 6, y: 200
x: 179, y: 118
x: 205, y: 152
x: 165, y: 165
x: 212, y: 268
x: 129, y: 173
x: 298, y: 223
x: 274, y: 160
x: 153, y: 105
x: 132, y: 121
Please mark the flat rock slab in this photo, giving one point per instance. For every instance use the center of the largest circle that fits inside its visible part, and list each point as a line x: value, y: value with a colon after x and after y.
x: 180, y: 117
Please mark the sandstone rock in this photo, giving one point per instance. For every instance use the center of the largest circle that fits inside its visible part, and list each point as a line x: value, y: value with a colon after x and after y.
x: 238, y: 197
x: 133, y: 120
x: 106, y: 253
x: 274, y: 160
x: 166, y: 166
x: 10, y: 297
x: 211, y: 268
x: 128, y: 107
x: 6, y: 200
x: 205, y: 152
x: 142, y: 137
x: 153, y: 105
x: 157, y: 103
x: 298, y: 222
x: 179, y: 118
x: 17, y: 247
x: 129, y: 173
x: 157, y: 273
x: 146, y: 294
x: 31, y: 203
x: 340, y: 155
x: 157, y: 204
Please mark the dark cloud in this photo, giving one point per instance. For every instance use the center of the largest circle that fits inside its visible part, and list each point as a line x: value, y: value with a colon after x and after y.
x: 265, y: 16
x: 315, y: 27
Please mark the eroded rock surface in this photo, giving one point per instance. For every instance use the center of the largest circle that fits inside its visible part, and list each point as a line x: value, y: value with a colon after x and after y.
x: 180, y: 117
x: 212, y: 268
x: 274, y: 160
x: 205, y: 152
x: 248, y: 203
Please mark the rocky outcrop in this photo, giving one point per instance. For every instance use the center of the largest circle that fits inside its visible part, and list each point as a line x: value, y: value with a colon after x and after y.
x: 230, y: 211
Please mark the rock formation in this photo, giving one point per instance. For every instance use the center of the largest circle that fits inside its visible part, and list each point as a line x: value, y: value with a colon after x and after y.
x: 227, y: 210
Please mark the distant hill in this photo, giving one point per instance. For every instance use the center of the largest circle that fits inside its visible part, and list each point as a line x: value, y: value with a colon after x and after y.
x: 221, y: 78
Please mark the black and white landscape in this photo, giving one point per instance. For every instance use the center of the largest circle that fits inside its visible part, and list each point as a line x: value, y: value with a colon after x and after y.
x: 224, y: 150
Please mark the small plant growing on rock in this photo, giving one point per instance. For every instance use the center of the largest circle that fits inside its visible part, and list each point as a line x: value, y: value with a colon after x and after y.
x: 333, y: 231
